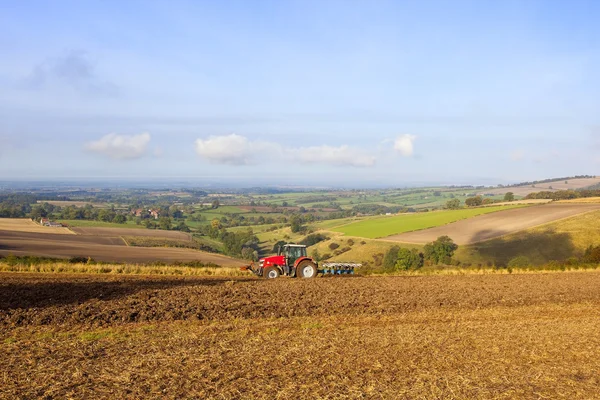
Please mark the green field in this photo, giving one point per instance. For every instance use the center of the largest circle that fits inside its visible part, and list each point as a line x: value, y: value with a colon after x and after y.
x: 381, y: 226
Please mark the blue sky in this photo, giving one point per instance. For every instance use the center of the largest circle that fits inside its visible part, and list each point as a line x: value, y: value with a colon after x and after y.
x: 365, y: 93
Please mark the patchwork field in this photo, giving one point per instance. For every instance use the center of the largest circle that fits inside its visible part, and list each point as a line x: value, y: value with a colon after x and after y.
x: 377, y: 227
x: 527, y: 336
x: 27, y: 225
x: 485, y: 227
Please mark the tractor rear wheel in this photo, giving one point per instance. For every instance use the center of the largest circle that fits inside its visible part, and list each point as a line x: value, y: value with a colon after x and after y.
x: 271, y: 273
x: 307, y: 269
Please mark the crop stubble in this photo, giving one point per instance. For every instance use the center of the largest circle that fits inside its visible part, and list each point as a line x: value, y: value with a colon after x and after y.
x: 491, y: 336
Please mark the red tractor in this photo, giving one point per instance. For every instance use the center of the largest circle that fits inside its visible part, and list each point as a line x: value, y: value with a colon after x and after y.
x: 291, y: 260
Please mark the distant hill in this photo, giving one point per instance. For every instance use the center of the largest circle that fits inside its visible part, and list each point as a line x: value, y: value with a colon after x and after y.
x: 551, y: 185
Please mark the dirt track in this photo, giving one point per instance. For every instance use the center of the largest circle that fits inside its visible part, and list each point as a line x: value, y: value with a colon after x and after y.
x: 110, y: 249
x: 489, y: 226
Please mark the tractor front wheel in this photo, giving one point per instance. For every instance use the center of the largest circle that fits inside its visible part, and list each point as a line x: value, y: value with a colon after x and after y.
x: 271, y: 273
x: 306, y: 269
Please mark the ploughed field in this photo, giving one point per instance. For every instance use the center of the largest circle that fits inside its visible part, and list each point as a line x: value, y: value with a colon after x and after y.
x: 119, y: 232
x: 490, y: 226
x: 102, y: 244
x: 470, y: 336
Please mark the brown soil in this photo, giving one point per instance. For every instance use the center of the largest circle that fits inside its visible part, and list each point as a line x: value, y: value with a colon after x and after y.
x: 110, y: 249
x: 117, y: 232
x: 441, y: 337
x: 46, y: 299
x: 493, y: 225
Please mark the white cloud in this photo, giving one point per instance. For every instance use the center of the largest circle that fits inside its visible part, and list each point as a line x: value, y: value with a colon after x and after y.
x: 238, y: 150
x: 120, y: 147
x: 404, y: 145
x: 228, y: 149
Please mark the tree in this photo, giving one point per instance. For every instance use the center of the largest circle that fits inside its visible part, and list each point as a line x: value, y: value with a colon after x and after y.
x: 164, y: 223
x: 215, y: 224
x: 509, y: 196
x: 296, y: 223
x: 278, y: 245
x: 409, y: 259
x: 215, y: 203
x: 440, y: 251
x: 453, y: 204
x: 390, y: 258
x: 474, y: 201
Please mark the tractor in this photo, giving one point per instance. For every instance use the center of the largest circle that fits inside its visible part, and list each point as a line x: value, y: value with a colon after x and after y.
x: 291, y: 260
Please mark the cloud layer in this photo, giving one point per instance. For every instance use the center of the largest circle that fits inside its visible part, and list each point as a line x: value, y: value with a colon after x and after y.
x: 238, y: 150
x: 73, y: 69
x: 120, y: 147
x: 404, y: 145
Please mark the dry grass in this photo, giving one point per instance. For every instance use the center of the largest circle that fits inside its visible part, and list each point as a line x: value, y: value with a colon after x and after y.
x: 119, y: 269
x: 582, y: 200
x: 464, y: 337
x: 27, y: 225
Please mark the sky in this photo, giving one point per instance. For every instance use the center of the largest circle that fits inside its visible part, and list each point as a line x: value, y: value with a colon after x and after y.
x: 337, y: 93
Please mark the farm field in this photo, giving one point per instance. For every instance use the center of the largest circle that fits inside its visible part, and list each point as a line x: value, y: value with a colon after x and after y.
x: 27, y: 225
x: 555, y: 241
x: 82, y: 223
x: 116, y: 232
x: 378, y: 227
x: 489, y: 226
x: 100, y: 248
x: 525, y: 336
x: 524, y: 190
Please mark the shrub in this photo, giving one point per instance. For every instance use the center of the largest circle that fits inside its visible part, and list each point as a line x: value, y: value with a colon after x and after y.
x: 333, y: 246
x: 325, y: 256
x: 313, y: 239
x: 592, y: 254
x: 350, y: 242
x: 519, y: 262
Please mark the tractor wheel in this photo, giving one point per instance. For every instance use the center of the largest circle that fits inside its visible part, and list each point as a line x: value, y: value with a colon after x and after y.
x: 271, y: 273
x: 307, y: 269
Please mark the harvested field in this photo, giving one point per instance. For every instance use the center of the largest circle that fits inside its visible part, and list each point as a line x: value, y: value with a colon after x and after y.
x: 489, y: 226
x: 27, y: 225
x: 462, y: 337
x: 571, y: 184
x: 110, y: 249
x: 117, y: 232
x: 582, y: 200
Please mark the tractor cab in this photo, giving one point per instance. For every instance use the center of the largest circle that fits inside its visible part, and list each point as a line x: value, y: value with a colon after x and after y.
x: 292, y: 252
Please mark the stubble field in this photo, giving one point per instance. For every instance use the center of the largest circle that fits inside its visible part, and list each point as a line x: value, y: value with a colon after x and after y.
x: 460, y: 337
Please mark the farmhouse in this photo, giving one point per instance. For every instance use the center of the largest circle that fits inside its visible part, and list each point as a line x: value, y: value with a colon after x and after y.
x: 47, y: 222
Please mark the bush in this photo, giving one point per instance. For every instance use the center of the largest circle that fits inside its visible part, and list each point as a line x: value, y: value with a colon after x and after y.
x: 350, y: 242
x: 325, y: 256
x: 519, y: 262
x: 333, y: 246
x: 313, y: 239
x: 592, y: 255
